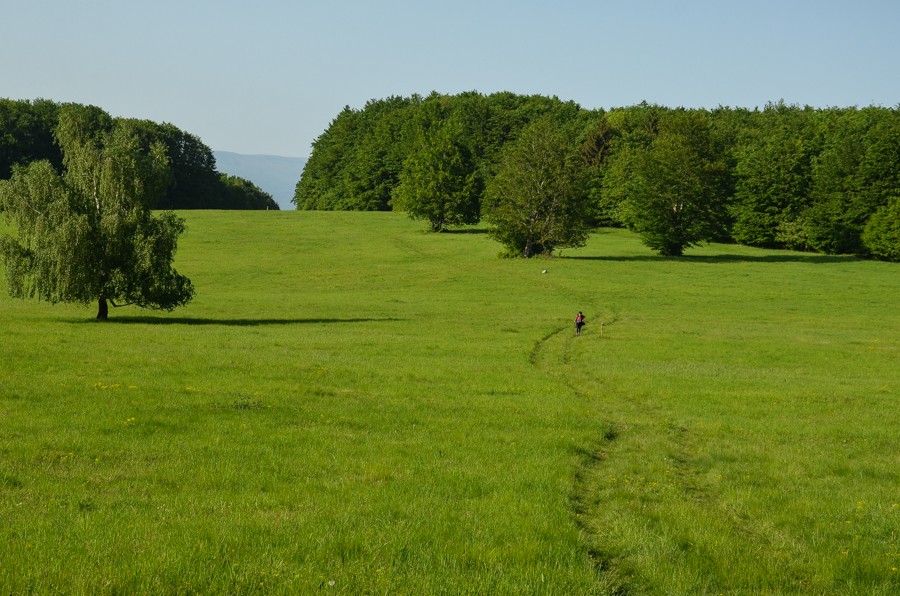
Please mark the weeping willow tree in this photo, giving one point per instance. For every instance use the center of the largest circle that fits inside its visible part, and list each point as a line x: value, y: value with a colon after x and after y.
x: 88, y: 234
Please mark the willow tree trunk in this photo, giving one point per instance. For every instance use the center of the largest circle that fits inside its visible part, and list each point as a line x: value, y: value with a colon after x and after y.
x: 102, y: 310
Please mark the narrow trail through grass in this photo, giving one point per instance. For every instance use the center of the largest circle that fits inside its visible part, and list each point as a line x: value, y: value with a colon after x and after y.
x: 724, y: 417
x: 551, y: 355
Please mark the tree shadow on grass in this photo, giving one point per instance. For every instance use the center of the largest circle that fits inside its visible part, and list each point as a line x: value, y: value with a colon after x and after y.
x: 713, y: 259
x: 229, y: 322
x: 453, y: 231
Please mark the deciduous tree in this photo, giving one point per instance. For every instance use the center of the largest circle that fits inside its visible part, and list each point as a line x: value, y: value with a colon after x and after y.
x: 854, y: 175
x: 774, y: 164
x: 674, y: 199
x: 535, y: 201
x: 881, y: 235
x: 88, y: 234
x: 26, y: 133
x: 240, y: 193
x: 440, y: 182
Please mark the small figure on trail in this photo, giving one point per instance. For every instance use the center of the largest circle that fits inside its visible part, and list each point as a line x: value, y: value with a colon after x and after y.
x: 579, y: 322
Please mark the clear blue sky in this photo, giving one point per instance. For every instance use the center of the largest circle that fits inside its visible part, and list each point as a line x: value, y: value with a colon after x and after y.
x: 267, y: 76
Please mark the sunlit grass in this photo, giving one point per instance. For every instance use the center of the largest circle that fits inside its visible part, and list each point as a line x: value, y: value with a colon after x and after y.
x: 351, y: 404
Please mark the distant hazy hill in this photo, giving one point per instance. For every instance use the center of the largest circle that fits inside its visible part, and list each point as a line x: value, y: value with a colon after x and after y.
x: 274, y: 174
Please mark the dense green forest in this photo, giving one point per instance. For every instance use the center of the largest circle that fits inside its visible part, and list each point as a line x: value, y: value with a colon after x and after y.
x: 784, y: 176
x: 28, y: 134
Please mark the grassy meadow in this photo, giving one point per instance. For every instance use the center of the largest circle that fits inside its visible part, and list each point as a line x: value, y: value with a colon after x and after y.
x: 352, y: 405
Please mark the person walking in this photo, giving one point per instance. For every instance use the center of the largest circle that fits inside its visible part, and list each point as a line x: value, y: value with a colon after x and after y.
x: 579, y: 322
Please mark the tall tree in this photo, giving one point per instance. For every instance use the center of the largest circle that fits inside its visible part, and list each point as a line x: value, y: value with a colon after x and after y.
x: 535, y: 201
x: 88, y: 234
x: 853, y: 177
x: 374, y: 171
x: 321, y: 185
x: 596, y: 150
x: 355, y: 164
x: 630, y: 132
x: 774, y: 173
x: 675, y: 197
x: 440, y: 181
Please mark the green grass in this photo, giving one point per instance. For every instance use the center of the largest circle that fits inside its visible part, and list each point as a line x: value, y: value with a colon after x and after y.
x: 352, y: 400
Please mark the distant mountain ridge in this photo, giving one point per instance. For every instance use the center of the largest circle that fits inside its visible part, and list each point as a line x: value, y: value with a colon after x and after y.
x: 274, y: 174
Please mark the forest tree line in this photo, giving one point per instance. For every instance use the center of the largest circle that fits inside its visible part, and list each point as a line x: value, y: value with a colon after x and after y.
x: 784, y: 176
x: 28, y: 133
